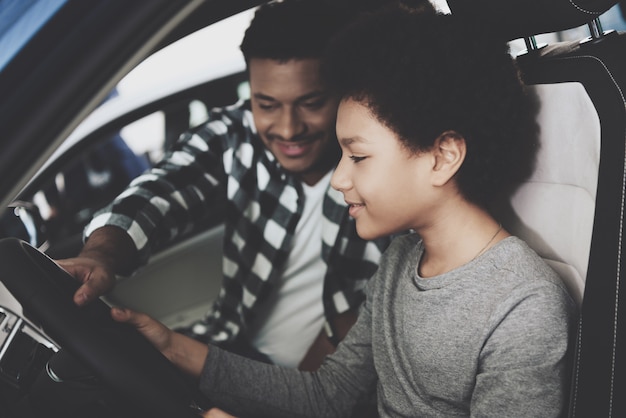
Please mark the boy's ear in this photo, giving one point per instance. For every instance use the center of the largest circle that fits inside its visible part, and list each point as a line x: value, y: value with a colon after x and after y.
x: 449, y: 152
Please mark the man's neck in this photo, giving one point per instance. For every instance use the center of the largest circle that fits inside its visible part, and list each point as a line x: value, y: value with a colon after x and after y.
x: 313, y: 177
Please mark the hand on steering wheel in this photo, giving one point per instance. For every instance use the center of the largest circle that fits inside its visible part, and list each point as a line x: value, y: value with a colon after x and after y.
x: 117, y: 353
x: 94, y: 275
x: 217, y: 413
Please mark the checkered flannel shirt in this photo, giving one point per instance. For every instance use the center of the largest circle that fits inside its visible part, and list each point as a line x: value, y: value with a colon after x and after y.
x: 222, y: 160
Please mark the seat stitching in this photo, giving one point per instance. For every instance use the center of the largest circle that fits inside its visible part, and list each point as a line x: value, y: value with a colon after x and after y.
x: 583, y: 10
x: 619, y: 250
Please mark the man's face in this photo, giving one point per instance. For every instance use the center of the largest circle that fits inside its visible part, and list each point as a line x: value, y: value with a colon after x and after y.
x: 294, y: 115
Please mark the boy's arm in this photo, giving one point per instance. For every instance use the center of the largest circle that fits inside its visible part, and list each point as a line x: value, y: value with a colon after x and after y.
x: 185, y: 353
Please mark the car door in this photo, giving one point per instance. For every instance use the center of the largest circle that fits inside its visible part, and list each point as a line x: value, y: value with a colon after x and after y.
x: 125, y: 135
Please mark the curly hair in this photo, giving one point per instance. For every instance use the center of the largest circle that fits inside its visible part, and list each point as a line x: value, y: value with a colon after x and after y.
x: 423, y: 74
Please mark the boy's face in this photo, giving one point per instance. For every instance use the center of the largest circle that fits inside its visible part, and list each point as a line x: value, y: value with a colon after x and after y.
x: 294, y: 115
x: 386, y: 186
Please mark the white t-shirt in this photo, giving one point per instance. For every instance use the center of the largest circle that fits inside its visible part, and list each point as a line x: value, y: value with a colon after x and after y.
x: 293, y: 315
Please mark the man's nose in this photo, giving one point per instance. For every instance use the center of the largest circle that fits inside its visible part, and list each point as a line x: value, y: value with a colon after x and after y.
x: 289, y: 125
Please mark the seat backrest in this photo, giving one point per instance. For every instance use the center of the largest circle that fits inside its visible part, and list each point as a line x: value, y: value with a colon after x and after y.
x: 572, y: 209
x: 592, y: 152
x: 553, y: 210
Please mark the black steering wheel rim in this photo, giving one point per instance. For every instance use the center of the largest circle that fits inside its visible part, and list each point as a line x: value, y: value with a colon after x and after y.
x: 117, y: 353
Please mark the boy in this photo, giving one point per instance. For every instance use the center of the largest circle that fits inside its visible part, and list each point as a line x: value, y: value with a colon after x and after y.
x: 461, y: 318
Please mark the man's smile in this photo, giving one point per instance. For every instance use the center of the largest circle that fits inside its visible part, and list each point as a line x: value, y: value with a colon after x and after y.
x: 294, y: 149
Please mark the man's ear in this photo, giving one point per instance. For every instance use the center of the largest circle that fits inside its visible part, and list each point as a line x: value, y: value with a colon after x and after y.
x: 449, y: 152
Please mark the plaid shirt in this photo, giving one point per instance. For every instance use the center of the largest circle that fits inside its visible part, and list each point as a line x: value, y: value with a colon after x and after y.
x: 225, y: 160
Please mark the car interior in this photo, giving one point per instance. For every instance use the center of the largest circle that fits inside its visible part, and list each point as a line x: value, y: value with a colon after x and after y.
x: 571, y: 211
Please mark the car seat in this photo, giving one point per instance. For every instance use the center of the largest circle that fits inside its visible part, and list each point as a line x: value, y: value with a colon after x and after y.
x: 571, y: 210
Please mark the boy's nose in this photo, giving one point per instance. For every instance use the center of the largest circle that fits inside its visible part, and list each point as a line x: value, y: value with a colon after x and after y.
x: 339, y: 180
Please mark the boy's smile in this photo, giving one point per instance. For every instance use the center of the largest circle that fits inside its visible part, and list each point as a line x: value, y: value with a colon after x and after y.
x: 354, y: 208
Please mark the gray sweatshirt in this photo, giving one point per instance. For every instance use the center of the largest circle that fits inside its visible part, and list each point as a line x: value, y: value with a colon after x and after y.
x: 490, y: 338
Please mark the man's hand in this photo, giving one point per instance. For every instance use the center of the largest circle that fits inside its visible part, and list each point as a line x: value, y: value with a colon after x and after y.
x: 108, y: 251
x: 96, y: 278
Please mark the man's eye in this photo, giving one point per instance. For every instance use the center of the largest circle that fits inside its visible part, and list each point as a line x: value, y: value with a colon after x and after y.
x: 265, y: 105
x: 356, y: 159
x: 314, y: 104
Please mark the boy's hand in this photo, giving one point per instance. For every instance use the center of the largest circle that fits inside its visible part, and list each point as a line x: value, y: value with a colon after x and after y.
x: 158, y: 334
x: 217, y: 413
x: 186, y: 353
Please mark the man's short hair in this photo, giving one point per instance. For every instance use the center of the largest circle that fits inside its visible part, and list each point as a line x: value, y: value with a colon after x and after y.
x: 292, y: 29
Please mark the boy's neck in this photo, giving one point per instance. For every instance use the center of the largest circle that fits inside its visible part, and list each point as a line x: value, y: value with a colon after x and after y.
x: 459, y: 238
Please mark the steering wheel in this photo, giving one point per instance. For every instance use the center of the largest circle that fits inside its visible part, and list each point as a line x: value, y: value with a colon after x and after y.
x: 117, y: 353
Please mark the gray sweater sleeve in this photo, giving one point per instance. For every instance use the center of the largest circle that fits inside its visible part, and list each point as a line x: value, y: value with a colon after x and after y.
x: 249, y: 388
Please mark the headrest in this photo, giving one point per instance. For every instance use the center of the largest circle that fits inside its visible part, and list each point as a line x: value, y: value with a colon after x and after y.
x: 524, y: 18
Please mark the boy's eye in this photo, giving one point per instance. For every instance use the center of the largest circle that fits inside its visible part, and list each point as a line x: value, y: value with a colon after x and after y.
x: 356, y: 159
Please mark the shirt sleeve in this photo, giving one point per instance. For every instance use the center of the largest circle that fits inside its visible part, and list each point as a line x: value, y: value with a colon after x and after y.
x: 183, y: 189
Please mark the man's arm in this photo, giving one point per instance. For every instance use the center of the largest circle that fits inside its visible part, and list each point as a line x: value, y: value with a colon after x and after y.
x: 322, y: 346
x: 108, y: 251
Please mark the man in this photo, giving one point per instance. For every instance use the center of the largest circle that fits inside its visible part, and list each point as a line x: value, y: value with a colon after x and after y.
x: 294, y: 267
